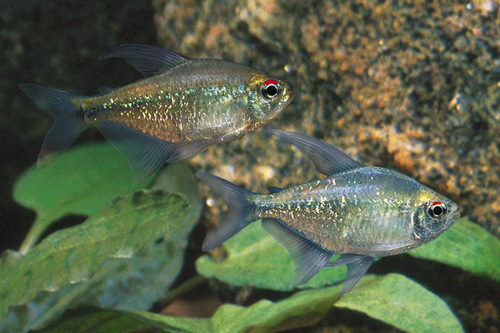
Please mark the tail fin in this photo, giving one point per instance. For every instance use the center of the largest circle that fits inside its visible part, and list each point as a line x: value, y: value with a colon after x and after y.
x: 68, y: 122
x: 240, y: 210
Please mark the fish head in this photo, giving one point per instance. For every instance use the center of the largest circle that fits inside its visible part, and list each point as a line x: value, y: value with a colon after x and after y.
x: 435, y: 214
x: 271, y: 97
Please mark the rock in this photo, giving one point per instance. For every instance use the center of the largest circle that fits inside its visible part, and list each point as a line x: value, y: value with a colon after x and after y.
x: 412, y: 87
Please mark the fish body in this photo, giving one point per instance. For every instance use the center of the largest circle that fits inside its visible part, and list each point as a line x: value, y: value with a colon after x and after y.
x: 182, y: 106
x: 205, y: 99
x: 359, y: 212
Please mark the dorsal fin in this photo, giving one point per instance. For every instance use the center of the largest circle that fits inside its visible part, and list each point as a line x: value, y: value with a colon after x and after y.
x: 149, y: 60
x: 327, y: 159
x: 103, y: 90
x: 274, y: 189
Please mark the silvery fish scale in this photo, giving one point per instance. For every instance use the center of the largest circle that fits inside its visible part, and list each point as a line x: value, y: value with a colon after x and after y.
x: 367, y: 210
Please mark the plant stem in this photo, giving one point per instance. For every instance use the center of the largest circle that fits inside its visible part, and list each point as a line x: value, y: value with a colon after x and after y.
x: 181, y: 290
x: 34, y: 234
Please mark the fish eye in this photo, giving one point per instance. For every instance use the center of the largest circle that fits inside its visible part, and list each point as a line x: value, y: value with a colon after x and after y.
x: 437, y: 209
x: 270, y: 89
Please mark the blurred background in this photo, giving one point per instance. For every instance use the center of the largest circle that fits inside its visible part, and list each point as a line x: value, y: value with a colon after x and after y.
x: 55, y: 44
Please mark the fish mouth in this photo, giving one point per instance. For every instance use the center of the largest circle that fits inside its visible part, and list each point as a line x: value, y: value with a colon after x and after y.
x: 453, y: 217
x: 288, y: 92
x: 290, y: 87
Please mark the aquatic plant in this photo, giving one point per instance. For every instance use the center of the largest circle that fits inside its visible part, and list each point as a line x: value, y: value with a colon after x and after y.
x: 132, y: 247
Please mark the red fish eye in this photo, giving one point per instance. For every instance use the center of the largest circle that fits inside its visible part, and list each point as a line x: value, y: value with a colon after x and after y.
x: 270, y: 89
x: 437, y: 208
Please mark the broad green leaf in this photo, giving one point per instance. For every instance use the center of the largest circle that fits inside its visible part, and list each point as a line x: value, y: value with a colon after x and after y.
x: 171, y: 324
x: 97, y: 322
x: 403, y: 303
x: 93, y: 263
x: 125, y: 321
x: 179, y: 178
x: 302, y: 309
x: 467, y: 246
x: 255, y: 258
x: 393, y: 299
x: 80, y: 181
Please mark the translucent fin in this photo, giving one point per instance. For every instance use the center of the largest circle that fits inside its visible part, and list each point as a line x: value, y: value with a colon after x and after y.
x: 149, y: 60
x: 327, y: 159
x: 144, y: 153
x: 187, y: 149
x: 273, y: 189
x: 103, y: 90
x: 68, y: 122
x: 238, y: 216
x: 357, y: 265
x: 307, y: 257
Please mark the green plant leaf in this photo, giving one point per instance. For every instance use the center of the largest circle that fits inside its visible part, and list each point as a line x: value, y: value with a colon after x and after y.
x: 80, y: 181
x: 302, y: 309
x: 93, y: 263
x: 393, y: 299
x: 255, y: 258
x: 171, y: 324
x: 467, y: 246
x: 126, y: 321
x: 403, y: 303
x: 97, y: 322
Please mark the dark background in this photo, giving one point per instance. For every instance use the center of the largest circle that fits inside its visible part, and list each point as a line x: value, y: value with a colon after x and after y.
x: 55, y: 43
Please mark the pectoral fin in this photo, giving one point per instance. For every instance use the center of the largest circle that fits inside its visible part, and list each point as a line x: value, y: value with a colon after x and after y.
x: 307, y: 257
x: 357, y: 265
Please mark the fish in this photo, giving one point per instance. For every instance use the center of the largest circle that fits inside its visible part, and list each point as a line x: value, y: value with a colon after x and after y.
x: 178, y: 109
x: 359, y: 212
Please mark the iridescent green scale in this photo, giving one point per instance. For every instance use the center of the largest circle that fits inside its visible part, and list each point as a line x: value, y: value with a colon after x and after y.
x: 349, y: 211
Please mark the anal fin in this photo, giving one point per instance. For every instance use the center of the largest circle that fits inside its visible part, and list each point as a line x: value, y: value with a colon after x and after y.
x: 146, y: 154
x: 357, y: 265
x: 307, y: 257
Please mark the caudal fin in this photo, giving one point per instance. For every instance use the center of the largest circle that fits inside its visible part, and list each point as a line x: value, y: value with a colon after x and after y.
x: 240, y: 210
x: 68, y: 122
